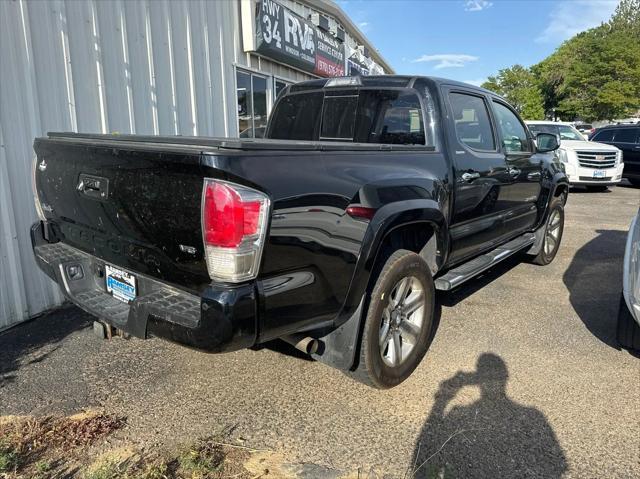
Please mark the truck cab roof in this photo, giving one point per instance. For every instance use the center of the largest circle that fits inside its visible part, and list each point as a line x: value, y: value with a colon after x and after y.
x: 379, y: 81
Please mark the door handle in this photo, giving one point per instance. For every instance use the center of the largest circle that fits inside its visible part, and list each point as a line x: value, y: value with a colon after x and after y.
x: 470, y: 176
x: 534, y: 176
x: 514, y: 171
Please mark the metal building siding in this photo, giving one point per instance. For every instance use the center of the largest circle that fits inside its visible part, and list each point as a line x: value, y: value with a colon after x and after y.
x: 147, y: 67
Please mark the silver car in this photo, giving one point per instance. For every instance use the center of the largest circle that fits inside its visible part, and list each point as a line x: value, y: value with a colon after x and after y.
x: 629, y: 315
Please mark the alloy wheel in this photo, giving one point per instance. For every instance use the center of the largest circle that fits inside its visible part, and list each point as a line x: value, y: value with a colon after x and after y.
x: 552, y: 234
x: 402, y: 321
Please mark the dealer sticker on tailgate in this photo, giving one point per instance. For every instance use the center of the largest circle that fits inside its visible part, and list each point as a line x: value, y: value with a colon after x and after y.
x: 120, y: 284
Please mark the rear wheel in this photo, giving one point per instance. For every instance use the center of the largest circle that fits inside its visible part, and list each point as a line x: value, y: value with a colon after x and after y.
x: 628, y: 329
x: 596, y: 188
x: 399, y: 321
x: 552, y: 233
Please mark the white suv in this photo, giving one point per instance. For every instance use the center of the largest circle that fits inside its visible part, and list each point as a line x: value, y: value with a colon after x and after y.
x: 587, y: 163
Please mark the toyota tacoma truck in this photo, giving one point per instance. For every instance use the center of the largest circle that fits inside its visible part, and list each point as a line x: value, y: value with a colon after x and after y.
x: 334, y: 232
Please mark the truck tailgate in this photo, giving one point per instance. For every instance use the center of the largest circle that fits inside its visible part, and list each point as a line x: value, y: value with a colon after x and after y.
x: 136, y: 208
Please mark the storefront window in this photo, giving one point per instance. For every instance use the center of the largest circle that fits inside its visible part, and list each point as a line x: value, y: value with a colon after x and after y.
x: 259, y: 105
x: 278, y: 86
x: 245, y: 108
x: 252, y: 95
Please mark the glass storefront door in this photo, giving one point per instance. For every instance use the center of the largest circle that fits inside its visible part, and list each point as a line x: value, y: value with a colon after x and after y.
x: 252, y: 93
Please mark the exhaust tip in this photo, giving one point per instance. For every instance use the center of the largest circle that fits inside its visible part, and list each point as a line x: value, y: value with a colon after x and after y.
x: 306, y: 344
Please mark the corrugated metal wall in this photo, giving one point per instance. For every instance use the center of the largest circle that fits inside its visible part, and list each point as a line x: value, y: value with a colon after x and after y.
x: 147, y: 67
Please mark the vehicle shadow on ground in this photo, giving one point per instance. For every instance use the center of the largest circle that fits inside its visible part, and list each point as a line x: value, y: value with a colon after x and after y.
x: 492, y: 437
x: 35, y: 340
x: 594, y: 281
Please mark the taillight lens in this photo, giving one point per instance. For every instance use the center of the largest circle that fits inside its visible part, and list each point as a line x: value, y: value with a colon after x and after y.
x: 234, y: 224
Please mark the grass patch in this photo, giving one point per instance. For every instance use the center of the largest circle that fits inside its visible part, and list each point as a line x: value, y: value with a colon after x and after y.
x: 9, y: 458
x: 202, y: 460
x: 30, y: 446
x: 56, y: 447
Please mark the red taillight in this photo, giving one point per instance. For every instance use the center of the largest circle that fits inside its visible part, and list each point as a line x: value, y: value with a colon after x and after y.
x: 234, y: 222
x: 362, y: 212
x: 228, y: 219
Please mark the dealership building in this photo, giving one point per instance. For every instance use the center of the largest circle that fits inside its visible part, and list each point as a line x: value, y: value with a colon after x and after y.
x: 179, y: 67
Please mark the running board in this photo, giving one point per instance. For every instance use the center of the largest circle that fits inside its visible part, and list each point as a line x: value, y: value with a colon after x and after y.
x: 458, y: 275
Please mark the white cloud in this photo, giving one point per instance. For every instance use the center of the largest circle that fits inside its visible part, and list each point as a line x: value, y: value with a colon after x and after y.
x: 364, y: 26
x: 569, y: 18
x: 476, y: 82
x: 476, y: 5
x: 446, y: 60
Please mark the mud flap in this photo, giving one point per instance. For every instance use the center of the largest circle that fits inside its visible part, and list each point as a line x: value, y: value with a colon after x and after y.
x: 338, y: 347
x: 539, y: 241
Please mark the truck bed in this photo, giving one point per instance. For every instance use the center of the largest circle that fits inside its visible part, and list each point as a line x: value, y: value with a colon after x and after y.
x: 203, y: 142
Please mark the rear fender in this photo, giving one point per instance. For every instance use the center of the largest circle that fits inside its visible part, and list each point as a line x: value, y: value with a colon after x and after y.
x: 340, y: 343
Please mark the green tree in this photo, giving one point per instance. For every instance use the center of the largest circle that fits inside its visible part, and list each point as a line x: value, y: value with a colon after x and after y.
x: 593, y: 76
x: 596, y: 74
x: 626, y: 18
x: 520, y: 88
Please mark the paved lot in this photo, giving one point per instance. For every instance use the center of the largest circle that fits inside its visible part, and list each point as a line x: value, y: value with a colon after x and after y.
x: 524, y: 378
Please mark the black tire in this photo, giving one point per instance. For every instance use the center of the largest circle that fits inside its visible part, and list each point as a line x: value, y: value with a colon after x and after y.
x: 597, y: 188
x: 373, y: 368
x: 634, y: 181
x: 628, y: 330
x: 546, y: 255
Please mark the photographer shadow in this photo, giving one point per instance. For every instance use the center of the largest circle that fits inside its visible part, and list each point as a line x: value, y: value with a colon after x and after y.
x: 492, y: 437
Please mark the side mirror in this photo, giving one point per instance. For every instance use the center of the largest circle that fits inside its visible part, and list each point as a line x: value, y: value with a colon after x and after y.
x: 546, y: 142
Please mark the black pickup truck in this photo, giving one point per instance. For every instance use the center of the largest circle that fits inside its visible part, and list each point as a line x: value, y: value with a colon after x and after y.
x: 332, y: 233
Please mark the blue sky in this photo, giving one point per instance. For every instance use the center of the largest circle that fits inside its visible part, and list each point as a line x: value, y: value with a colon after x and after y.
x: 468, y: 40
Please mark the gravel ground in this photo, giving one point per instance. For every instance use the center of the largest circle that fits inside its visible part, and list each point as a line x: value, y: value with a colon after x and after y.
x: 524, y: 378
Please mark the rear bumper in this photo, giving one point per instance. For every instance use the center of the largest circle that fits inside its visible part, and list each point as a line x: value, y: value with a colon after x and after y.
x: 221, y: 319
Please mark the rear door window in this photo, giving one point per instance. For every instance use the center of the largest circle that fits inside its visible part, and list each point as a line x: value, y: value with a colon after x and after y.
x: 626, y: 135
x: 472, y: 123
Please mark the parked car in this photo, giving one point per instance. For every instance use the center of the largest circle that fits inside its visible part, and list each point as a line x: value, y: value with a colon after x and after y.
x: 629, y: 314
x: 627, y: 139
x: 333, y: 234
x: 593, y: 165
x: 585, y: 129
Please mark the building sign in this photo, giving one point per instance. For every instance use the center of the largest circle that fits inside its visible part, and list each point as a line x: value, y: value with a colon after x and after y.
x: 356, y: 69
x: 290, y: 39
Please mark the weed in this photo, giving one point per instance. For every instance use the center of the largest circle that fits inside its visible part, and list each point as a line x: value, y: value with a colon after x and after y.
x: 152, y: 471
x: 43, y: 467
x: 9, y: 458
x: 202, y: 461
x: 104, y: 470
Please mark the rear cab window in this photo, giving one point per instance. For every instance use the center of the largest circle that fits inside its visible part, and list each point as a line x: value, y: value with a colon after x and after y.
x: 358, y: 115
